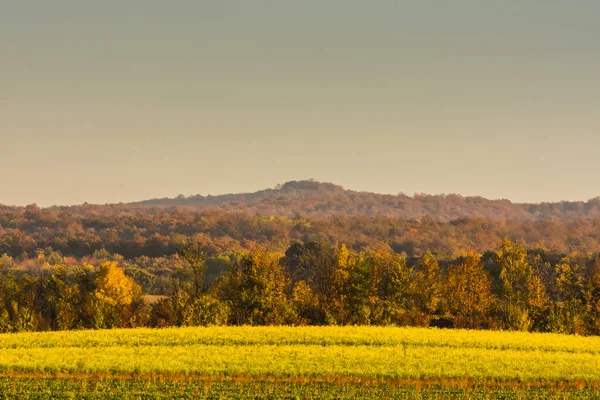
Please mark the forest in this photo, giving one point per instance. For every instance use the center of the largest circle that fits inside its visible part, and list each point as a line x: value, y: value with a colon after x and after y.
x: 340, y: 258
x: 79, y: 232
x: 313, y: 283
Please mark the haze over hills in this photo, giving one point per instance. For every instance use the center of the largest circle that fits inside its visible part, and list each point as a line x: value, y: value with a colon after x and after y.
x: 320, y: 199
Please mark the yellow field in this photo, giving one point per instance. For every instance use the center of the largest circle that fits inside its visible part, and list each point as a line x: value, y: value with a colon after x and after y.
x: 374, y: 352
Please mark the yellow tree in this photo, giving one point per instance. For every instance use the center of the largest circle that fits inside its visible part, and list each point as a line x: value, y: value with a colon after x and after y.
x: 339, y: 292
x: 114, y: 293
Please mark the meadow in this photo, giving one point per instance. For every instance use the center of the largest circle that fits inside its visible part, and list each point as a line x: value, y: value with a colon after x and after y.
x: 381, y: 362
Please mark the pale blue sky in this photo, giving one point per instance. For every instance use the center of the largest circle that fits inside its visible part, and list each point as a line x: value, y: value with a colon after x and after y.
x: 113, y: 101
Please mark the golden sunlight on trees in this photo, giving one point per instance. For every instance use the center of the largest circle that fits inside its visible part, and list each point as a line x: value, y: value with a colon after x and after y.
x: 114, y: 291
x: 112, y: 286
x: 468, y: 292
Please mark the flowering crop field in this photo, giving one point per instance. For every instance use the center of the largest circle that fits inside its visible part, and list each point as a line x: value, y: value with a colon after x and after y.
x: 318, y: 362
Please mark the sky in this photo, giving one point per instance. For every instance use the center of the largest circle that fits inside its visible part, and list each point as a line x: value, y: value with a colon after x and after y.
x: 112, y: 101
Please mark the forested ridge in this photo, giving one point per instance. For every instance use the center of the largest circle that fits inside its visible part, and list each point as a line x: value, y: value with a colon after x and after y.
x: 319, y: 199
x: 303, y: 253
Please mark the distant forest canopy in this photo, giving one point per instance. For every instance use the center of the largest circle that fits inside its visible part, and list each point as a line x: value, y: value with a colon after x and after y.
x: 317, y: 199
x: 75, y: 233
x: 314, y: 199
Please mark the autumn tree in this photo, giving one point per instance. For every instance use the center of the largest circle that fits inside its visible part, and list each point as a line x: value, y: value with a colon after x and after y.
x: 338, y: 299
x: 114, y: 293
x: 62, y: 296
x: 428, y: 284
x: 568, y: 311
x: 318, y: 265
x: 306, y: 304
x: 9, y: 290
x: 468, y: 292
x: 256, y: 289
x: 191, y: 302
x: 358, y: 302
x: 592, y: 298
x: 395, y: 288
x: 522, y: 296
x: 196, y: 263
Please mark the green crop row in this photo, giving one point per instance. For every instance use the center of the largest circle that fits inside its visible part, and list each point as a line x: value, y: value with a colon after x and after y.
x: 46, y: 389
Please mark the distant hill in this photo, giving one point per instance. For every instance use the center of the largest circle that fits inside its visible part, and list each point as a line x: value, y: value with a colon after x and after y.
x: 299, y: 190
x: 300, y: 211
x: 320, y: 199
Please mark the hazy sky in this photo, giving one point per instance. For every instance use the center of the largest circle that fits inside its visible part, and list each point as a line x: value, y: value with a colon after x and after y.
x: 107, y: 101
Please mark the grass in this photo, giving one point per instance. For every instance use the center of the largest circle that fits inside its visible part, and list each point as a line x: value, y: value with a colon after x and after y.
x: 289, y: 358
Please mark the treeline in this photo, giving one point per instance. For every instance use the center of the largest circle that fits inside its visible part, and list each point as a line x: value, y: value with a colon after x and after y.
x: 312, y: 283
x: 79, y: 234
